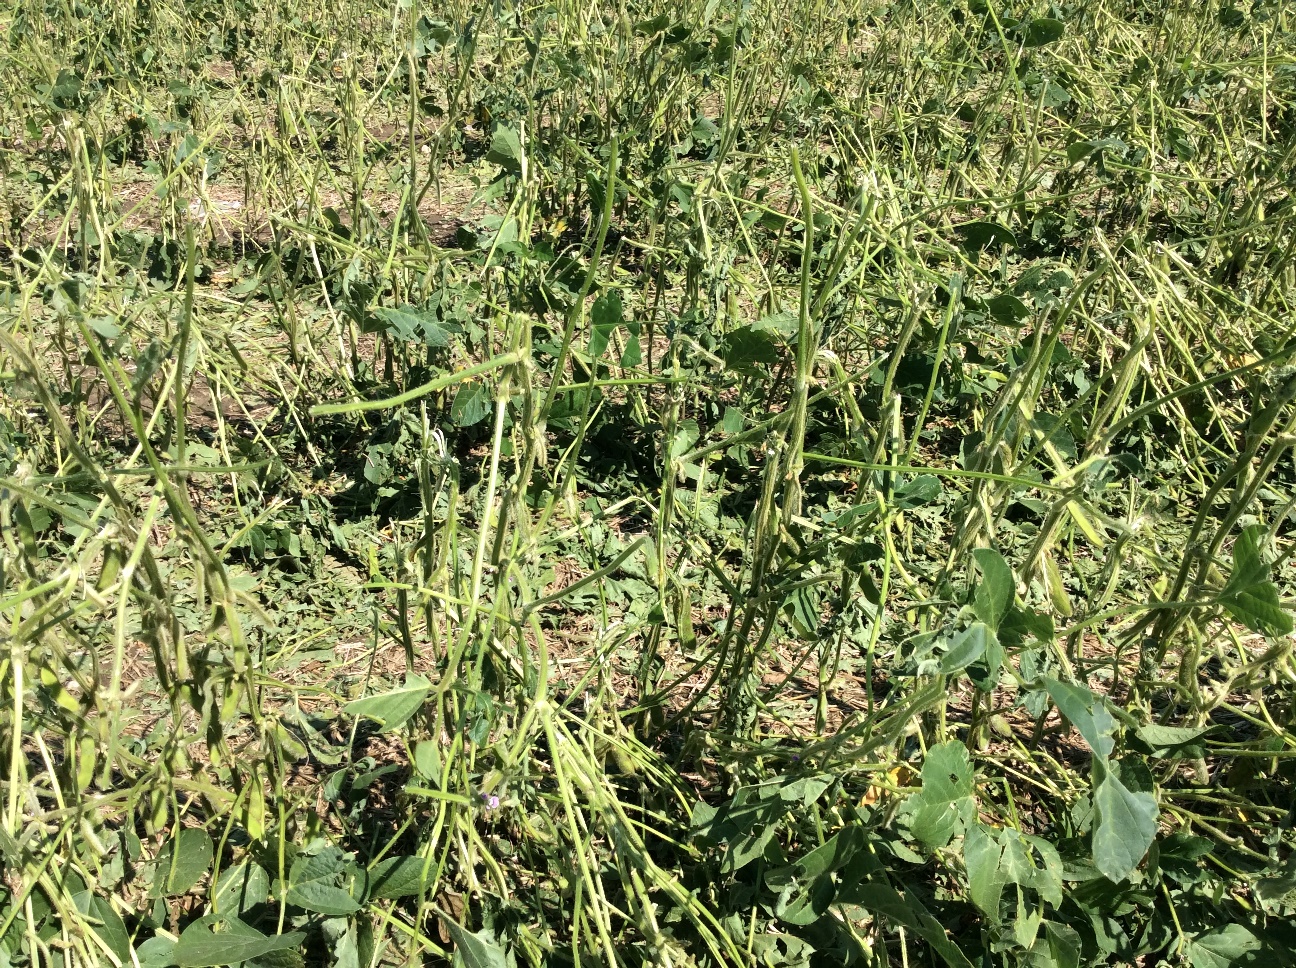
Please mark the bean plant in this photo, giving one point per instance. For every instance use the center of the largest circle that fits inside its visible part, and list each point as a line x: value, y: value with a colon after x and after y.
x: 714, y: 483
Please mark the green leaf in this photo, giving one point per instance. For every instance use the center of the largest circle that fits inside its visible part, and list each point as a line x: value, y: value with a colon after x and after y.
x: 1278, y: 887
x: 282, y: 958
x: 652, y: 26
x: 997, y: 589
x: 395, y: 708
x: 746, y: 348
x: 1086, y: 713
x: 833, y: 854
x: 997, y: 858
x: 408, y: 324
x: 782, y: 322
x: 66, y: 90
x: 355, y: 948
x: 605, y: 317
x: 1055, y: 95
x: 1021, y: 624
x: 219, y: 940
x: 313, y: 883
x: 944, y: 805
x: 505, y: 148
x: 976, y: 236
x: 1230, y: 17
x: 427, y: 759
x: 748, y: 847
x: 471, y: 404
x: 1250, y: 597
x: 1125, y: 824
x: 966, y: 647
x: 982, y: 856
x: 156, y: 952
x: 923, y: 489
x: 181, y: 862
x: 632, y: 355
x: 475, y: 950
x: 1079, y: 150
x: 396, y: 877
x: 105, y: 327
x: 1042, y: 31
x: 147, y: 363
x: 805, y: 790
x: 809, y: 905
x: 1059, y: 948
x: 1007, y: 309
x: 431, y: 36
x: 685, y: 436
x: 1221, y: 947
x: 1020, y: 866
x: 1168, y: 737
x: 883, y: 899
x: 240, y: 887
x: 747, y: 823
x: 803, y: 610
x: 109, y: 927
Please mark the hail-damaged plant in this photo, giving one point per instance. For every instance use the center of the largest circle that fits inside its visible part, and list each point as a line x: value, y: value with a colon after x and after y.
x: 711, y: 484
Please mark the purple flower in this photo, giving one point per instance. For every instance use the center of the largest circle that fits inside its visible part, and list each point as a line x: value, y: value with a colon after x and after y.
x: 490, y: 801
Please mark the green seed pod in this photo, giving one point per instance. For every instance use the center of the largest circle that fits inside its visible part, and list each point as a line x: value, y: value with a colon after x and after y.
x: 85, y: 763
x: 624, y: 763
x: 112, y: 566
x: 684, y: 619
x: 254, y: 814
x: 158, y: 810
x: 1056, y: 590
